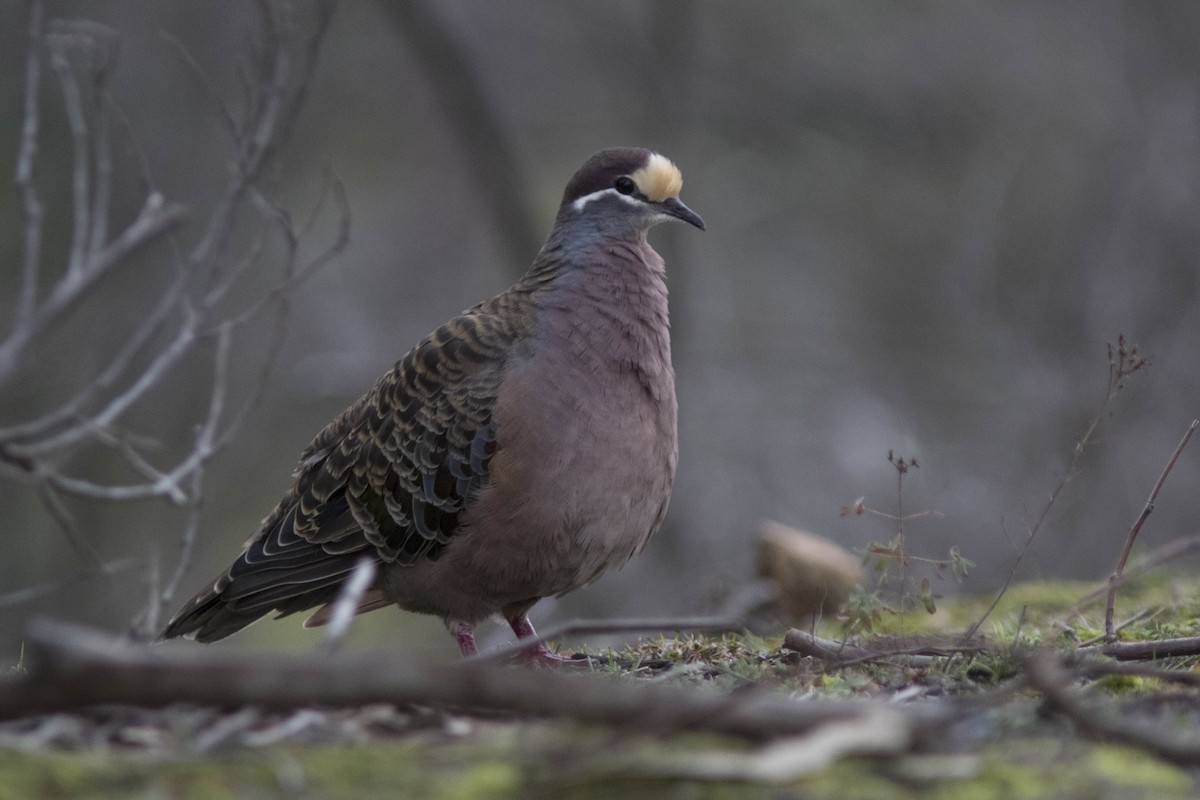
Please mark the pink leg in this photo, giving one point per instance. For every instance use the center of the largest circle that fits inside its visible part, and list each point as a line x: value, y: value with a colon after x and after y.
x: 541, y: 654
x: 464, y: 634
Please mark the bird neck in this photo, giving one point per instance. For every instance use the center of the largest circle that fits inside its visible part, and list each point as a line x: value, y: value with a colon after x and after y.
x: 606, y: 294
x: 581, y: 245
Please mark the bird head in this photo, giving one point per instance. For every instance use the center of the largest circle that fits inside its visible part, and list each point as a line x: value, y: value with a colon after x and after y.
x: 630, y: 185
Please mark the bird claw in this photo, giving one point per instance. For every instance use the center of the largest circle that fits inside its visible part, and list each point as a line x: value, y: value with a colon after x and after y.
x: 541, y: 654
x: 544, y: 655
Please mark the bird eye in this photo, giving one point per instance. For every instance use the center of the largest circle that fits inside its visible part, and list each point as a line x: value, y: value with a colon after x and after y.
x: 625, y: 185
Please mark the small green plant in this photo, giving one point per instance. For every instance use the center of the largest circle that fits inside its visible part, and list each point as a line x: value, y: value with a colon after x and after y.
x: 895, y: 565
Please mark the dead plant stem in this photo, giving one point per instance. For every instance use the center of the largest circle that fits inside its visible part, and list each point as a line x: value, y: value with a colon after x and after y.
x: 1123, y: 361
x: 1114, y: 580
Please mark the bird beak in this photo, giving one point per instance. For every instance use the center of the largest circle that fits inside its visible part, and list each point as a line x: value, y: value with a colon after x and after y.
x: 678, y: 210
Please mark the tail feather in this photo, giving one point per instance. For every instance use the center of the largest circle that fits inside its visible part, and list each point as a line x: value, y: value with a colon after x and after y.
x: 370, y: 601
x: 252, y: 589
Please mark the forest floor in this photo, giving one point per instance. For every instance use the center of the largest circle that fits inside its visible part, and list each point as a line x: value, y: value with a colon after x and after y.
x: 1031, y: 714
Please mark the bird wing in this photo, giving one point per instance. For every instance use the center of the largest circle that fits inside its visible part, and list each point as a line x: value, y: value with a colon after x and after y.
x: 389, y: 479
x: 396, y: 469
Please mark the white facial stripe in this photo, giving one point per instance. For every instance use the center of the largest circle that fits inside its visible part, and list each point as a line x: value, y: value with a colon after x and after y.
x: 587, y: 198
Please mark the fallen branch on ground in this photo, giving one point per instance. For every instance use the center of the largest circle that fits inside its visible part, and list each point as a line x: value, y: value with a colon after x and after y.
x: 72, y: 668
x: 843, y: 654
x: 1147, y: 651
x: 1097, y: 720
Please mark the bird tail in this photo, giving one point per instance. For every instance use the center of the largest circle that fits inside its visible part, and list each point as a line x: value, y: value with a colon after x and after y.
x: 208, y: 618
x: 212, y: 614
x: 305, y: 576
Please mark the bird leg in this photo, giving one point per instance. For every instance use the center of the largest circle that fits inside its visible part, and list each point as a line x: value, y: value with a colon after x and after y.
x: 541, y: 654
x: 464, y: 634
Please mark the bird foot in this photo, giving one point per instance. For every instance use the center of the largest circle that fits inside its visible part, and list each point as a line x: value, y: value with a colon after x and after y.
x: 544, y: 655
x: 541, y: 654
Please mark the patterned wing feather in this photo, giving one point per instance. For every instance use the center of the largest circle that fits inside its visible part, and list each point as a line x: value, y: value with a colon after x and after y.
x: 389, y: 478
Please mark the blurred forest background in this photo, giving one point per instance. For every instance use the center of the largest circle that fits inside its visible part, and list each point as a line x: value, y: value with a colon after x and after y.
x: 925, y: 221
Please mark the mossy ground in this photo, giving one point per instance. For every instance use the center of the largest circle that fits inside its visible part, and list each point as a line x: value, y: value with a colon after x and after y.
x: 490, y: 764
x: 1010, y: 750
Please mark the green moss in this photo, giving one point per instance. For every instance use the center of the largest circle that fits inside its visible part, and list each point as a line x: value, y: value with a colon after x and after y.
x: 1031, y: 769
x: 1008, y: 754
x: 1120, y: 684
x: 383, y: 770
x: 1133, y: 769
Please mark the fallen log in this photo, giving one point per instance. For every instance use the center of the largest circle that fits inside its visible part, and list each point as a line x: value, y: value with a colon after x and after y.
x: 70, y: 668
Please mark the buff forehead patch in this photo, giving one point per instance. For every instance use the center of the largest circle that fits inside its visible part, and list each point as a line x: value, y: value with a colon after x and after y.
x: 659, y: 179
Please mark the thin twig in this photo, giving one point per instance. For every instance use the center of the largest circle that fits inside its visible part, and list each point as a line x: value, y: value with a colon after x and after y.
x: 1147, y: 650
x: 80, y: 141
x: 348, y: 599
x: 66, y: 520
x: 210, y: 91
x: 1168, y: 552
x: 118, y: 405
x: 1123, y: 361
x: 1144, y: 614
x: 187, y: 547
x: 36, y: 451
x: 167, y: 484
x: 1098, y: 720
x: 102, y: 158
x: 31, y: 204
x: 73, y: 409
x: 19, y: 596
x: 254, y: 146
x: 156, y: 218
x: 840, y: 654
x: 1114, y: 580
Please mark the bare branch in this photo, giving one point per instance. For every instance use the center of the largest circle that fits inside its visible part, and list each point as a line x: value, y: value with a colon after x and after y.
x: 1123, y: 361
x: 66, y: 521
x: 81, y: 178
x: 348, y: 598
x: 1110, y: 634
x: 71, y: 667
x: 31, y: 205
x: 1097, y: 720
x: 187, y: 548
x: 102, y: 158
x: 842, y: 654
x: 29, y: 593
x: 253, y: 148
x: 1096, y: 668
x: 106, y: 380
x: 1147, y: 651
x: 294, y: 277
x: 38, y: 450
x: 118, y: 405
x: 210, y: 91
x: 156, y: 218
x: 208, y: 431
x: 1172, y: 550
